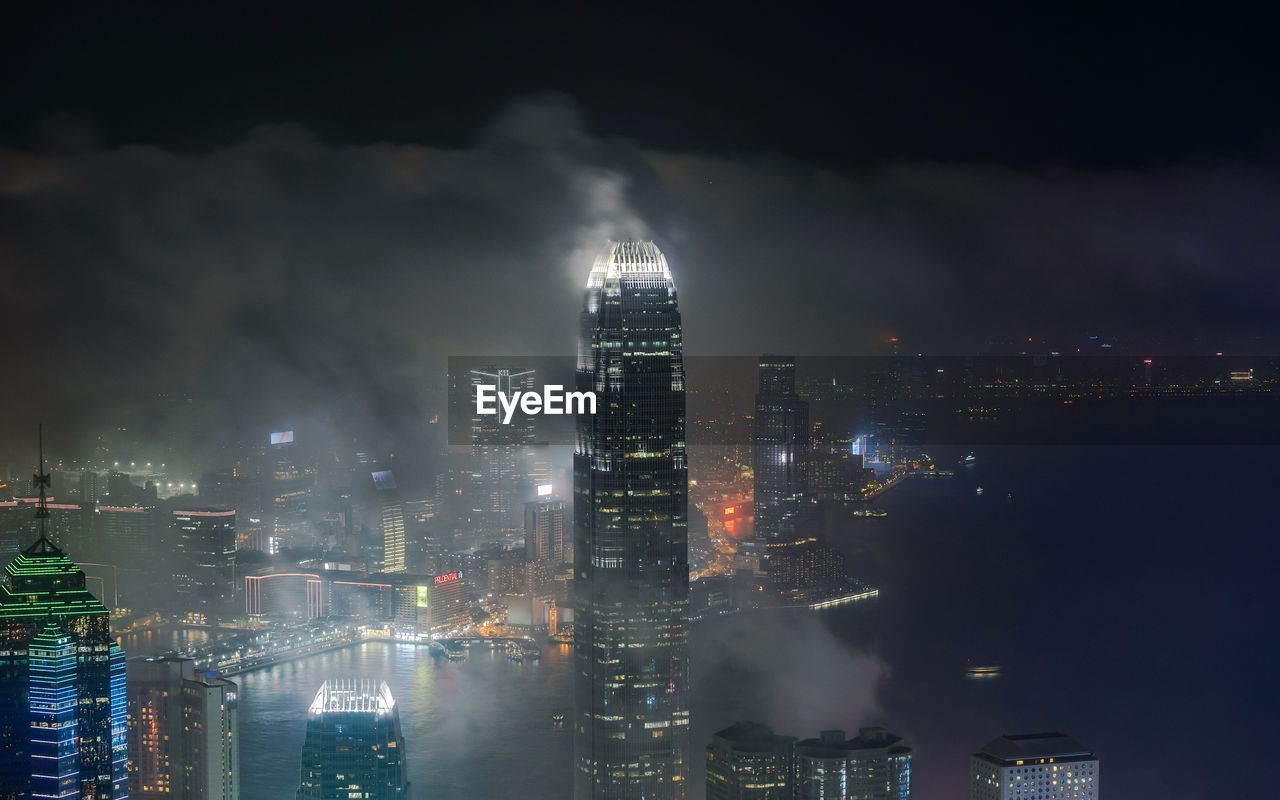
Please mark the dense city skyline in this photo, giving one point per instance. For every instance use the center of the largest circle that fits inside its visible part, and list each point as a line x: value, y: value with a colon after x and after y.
x: 947, y: 474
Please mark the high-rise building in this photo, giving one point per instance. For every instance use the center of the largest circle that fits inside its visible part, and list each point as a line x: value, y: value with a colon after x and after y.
x: 748, y: 761
x: 874, y: 765
x: 288, y: 493
x: 501, y: 452
x: 353, y: 746
x: 183, y: 732
x: 125, y: 537
x: 52, y: 685
x: 204, y: 544
x: 1033, y: 766
x: 42, y: 585
x: 631, y: 570
x: 544, y: 527
x: 388, y: 522
x: 781, y: 447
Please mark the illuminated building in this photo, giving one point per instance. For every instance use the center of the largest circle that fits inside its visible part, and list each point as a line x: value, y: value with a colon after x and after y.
x: 1034, y: 766
x: 353, y: 745
x: 285, y: 595
x: 631, y: 735
x: 544, y: 526
x: 803, y: 568
x: 389, y: 521
x: 42, y: 585
x: 447, y: 599
x: 874, y: 765
x: 52, y: 685
x: 501, y: 452
x: 780, y: 447
x: 288, y: 493
x: 204, y: 542
x: 748, y: 761
x: 183, y: 732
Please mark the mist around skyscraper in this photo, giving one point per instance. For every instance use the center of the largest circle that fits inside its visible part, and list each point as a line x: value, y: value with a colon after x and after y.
x: 858, y: 402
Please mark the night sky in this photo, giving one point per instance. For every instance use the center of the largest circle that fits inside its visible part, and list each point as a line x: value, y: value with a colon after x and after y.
x: 246, y: 213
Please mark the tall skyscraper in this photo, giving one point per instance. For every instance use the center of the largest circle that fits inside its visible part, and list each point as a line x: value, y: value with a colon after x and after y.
x: 55, y: 756
x: 204, y: 543
x: 289, y: 484
x: 126, y: 536
x: 748, y: 761
x: 631, y: 570
x: 353, y: 746
x: 41, y: 585
x: 183, y: 733
x: 544, y: 529
x: 388, y: 521
x: 874, y: 765
x: 501, y: 452
x: 1033, y: 766
x: 781, y: 446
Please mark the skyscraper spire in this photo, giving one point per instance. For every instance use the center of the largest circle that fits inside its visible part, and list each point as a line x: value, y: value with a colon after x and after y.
x: 41, y: 482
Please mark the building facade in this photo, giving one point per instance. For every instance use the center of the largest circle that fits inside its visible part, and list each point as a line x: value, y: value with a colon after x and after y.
x: 204, y: 543
x: 780, y: 440
x: 631, y: 571
x: 1033, y: 766
x: 183, y: 732
x: 353, y: 745
x: 748, y: 761
x: 874, y: 765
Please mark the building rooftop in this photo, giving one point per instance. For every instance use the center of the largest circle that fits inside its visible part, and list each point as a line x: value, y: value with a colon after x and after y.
x: 42, y: 581
x: 640, y: 260
x: 1012, y: 748
x: 353, y: 696
x: 833, y: 743
x: 749, y: 736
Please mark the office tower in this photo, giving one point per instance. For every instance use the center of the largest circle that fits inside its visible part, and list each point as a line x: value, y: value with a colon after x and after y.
x: 1033, y: 766
x: 288, y: 489
x: 501, y: 452
x: 388, y: 521
x: 544, y: 540
x: 51, y: 684
x: 183, y: 732
x: 127, y: 537
x: 353, y: 746
x: 781, y: 447
x: 874, y: 765
x: 631, y: 572
x: 42, y: 585
x: 748, y: 761
x: 446, y: 600
x: 204, y: 544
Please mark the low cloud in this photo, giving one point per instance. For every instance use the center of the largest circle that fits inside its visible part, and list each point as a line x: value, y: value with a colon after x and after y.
x: 280, y: 277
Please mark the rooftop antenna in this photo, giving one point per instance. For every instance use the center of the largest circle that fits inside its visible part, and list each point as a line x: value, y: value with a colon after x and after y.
x: 40, y: 482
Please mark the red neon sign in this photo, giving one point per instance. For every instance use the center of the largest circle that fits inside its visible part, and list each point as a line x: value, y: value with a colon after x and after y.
x: 448, y: 577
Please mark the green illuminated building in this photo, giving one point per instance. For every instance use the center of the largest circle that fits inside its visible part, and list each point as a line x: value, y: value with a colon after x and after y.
x: 42, y: 586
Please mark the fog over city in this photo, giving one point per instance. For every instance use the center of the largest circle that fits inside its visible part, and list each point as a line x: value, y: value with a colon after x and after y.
x: 927, y: 370
x: 276, y: 277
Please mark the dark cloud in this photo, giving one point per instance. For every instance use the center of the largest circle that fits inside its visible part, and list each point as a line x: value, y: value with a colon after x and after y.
x: 281, y: 276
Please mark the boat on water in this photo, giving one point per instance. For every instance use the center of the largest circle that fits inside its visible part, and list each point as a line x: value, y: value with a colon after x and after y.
x: 983, y: 673
x: 517, y: 652
x: 979, y: 491
x: 871, y: 512
x: 968, y: 459
x: 557, y: 719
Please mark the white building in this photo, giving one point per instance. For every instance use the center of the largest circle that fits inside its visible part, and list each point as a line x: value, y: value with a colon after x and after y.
x: 1033, y: 766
